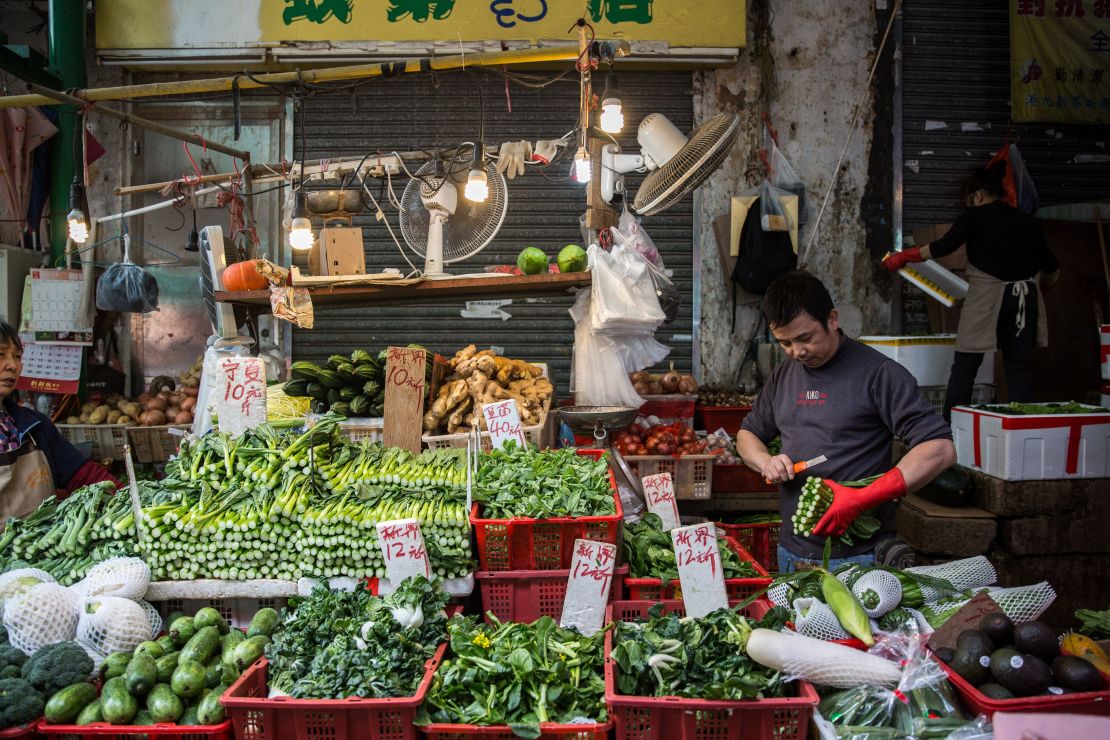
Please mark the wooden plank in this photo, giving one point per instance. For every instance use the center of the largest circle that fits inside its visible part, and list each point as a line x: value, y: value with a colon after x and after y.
x: 404, y: 398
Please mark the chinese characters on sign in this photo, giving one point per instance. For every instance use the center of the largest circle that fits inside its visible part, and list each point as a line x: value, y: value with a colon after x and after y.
x: 699, y: 569
x: 588, y: 585
x: 241, y: 394
x: 659, y: 493
x: 1059, y: 52
x: 317, y: 11
x: 404, y: 397
x: 505, y: 13
x: 403, y: 550
x: 503, y: 421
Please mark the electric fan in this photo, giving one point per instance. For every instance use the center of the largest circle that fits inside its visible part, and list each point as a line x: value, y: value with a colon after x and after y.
x: 677, y: 164
x: 215, y: 255
x: 443, y: 227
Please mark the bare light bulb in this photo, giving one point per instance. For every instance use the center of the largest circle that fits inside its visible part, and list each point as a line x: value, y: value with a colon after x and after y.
x: 582, y: 165
x: 300, y: 228
x: 612, y: 117
x: 78, y: 229
x: 477, y: 186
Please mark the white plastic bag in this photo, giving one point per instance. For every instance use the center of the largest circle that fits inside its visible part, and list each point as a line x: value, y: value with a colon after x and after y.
x: 599, y: 377
x: 624, y: 298
x: 784, y: 178
x: 630, y: 233
x: 772, y: 213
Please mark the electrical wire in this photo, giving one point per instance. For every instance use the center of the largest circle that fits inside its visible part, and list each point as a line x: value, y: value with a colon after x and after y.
x: 389, y: 228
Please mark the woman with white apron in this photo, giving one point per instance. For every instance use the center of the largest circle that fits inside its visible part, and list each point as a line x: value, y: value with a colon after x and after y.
x: 1004, y: 309
x: 36, y: 461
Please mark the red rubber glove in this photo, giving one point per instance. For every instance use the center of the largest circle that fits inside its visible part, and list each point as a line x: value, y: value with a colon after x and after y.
x: 895, y: 261
x: 89, y: 473
x: 849, y: 503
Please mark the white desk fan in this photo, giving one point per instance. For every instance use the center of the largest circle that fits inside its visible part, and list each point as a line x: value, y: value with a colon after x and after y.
x: 678, y: 165
x: 443, y: 227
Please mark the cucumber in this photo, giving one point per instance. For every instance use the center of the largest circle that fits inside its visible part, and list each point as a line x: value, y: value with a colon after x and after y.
x: 166, y: 665
x: 91, y: 713
x: 189, y: 679
x: 166, y: 643
x: 116, y: 664
x: 265, y: 621
x: 174, y: 616
x: 141, y: 675
x: 66, y: 704
x: 117, y: 706
x: 229, y: 675
x: 230, y: 640
x: 210, y: 711
x: 203, y: 645
x: 182, y: 630
x: 209, y: 617
x: 151, y: 648
x: 163, y: 704
x: 142, y: 717
x: 189, y: 717
x: 249, y: 651
x: 214, y: 673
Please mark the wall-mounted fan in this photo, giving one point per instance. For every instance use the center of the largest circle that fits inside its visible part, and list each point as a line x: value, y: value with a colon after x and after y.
x: 677, y: 164
x: 443, y: 227
x: 215, y: 255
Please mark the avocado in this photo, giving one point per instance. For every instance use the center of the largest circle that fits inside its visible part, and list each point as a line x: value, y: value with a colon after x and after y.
x: 1076, y: 674
x: 999, y: 628
x: 945, y: 654
x: 994, y: 691
x: 971, y: 657
x: 1036, y: 638
x: 1024, y: 675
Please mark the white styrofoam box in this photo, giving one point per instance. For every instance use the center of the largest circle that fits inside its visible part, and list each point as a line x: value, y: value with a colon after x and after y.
x: 936, y: 281
x: 928, y: 358
x: 1104, y: 334
x: 1105, y: 402
x: 1032, y: 447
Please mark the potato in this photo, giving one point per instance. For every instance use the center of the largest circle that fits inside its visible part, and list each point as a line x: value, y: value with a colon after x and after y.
x: 113, y: 416
x: 125, y: 420
x: 99, y: 415
x: 83, y: 418
x: 88, y: 407
x: 73, y: 420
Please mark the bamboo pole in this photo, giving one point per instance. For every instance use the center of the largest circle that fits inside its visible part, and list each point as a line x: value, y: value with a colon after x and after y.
x: 329, y: 74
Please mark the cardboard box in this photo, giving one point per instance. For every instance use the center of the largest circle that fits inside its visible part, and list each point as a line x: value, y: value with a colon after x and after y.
x: 1032, y: 447
x: 338, y: 251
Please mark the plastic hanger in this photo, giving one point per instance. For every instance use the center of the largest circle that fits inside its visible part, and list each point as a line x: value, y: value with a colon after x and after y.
x: 124, y: 236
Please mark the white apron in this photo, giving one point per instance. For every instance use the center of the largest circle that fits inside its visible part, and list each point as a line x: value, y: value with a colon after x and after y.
x: 978, y: 327
x: 25, y: 481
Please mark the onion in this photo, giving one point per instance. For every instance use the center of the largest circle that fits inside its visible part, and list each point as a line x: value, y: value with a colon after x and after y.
x: 183, y: 417
x: 670, y: 381
x: 153, y: 418
x: 173, y: 411
x: 641, y: 387
x: 189, y: 403
x: 687, y: 385
x: 156, y: 404
x: 655, y: 388
x: 143, y: 397
x: 176, y: 398
x: 164, y: 394
x: 640, y: 377
x: 190, y: 390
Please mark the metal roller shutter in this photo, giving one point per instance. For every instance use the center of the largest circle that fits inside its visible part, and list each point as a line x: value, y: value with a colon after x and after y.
x: 408, y: 113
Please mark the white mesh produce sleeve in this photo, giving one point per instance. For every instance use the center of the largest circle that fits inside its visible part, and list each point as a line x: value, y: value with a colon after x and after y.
x: 973, y: 573
x: 815, y: 619
x: 779, y: 594
x: 17, y: 581
x: 125, y: 577
x: 1020, y: 603
x: 110, y: 624
x: 885, y: 585
x: 40, y: 616
x: 153, y: 617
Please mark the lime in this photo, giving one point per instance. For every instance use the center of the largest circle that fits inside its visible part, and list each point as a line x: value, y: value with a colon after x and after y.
x: 531, y: 261
x: 572, y: 258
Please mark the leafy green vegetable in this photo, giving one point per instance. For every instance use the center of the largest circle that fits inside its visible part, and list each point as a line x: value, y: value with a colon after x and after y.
x: 325, y: 650
x: 1094, y: 624
x: 525, y: 482
x: 517, y: 675
x: 695, y: 658
x: 650, y: 553
x: 1031, y: 409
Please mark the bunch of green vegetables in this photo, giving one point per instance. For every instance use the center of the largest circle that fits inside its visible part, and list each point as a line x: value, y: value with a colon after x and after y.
x: 517, y: 675
x: 526, y: 482
x: 705, y: 658
x: 815, y: 500
x: 1094, y: 624
x: 66, y: 538
x: 650, y: 553
x: 351, y: 386
x: 1033, y: 409
x: 335, y: 644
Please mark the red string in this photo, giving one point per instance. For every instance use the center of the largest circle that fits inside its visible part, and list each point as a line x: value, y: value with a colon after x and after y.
x: 192, y: 179
x: 771, y: 129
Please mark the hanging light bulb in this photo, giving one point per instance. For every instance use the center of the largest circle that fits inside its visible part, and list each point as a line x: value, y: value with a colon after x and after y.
x: 75, y: 220
x: 300, y: 228
x: 612, y: 117
x: 582, y: 165
x: 477, y: 183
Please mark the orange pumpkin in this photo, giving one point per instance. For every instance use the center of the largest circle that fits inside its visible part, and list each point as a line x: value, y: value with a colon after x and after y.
x: 240, y: 276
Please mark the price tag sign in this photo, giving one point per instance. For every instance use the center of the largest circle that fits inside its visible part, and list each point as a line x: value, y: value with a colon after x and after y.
x: 403, y: 549
x: 503, y: 422
x: 659, y: 492
x: 404, y: 398
x: 588, y: 585
x: 241, y: 394
x: 699, y: 569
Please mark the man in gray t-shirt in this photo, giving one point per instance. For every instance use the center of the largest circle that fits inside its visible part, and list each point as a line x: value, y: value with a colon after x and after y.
x: 842, y: 399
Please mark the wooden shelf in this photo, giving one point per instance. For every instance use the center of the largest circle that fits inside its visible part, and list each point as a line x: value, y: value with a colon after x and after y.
x: 481, y: 288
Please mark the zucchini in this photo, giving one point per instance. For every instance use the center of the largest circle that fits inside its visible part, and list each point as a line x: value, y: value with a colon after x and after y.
x: 317, y: 390
x: 360, y: 405
x: 65, y: 705
x: 347, y: 393
x: 360, y: 356
x: 303, y: 370
x: 336, y: 360
x: 296, y: 388
x: 331, y: 379
x: 265, y: 621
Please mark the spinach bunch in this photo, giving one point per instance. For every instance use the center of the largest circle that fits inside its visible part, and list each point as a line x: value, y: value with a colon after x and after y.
x: 694, y: 658
x: 335, y: 644
x: 650, y: 553
x: 526, y: 482
x: 517, y: 675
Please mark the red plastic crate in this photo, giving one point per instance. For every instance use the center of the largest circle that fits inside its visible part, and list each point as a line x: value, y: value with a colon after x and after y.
x: 548, y: 731
x: 728, y: 418
x: 675, y: 718
x: 255, y: 717
x: 23, y: 732
x: 761, y: 540
x: 526, y: 595
x: 739, y: 478
x: 164, y: 731
x: 976, y: 702
x: 670, y: 407
x: 652, y: 589
x: 542, y: 544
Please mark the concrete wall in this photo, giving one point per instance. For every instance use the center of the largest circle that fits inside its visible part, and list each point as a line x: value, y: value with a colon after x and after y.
x: 807, y: 66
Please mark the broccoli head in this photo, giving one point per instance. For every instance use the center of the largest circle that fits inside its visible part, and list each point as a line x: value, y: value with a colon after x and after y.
x: 20, y: 703
x: 56, y: 666
x: 10, y: 658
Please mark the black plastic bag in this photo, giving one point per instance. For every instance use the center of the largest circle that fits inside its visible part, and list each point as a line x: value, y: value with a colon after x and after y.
x: 127, y: 288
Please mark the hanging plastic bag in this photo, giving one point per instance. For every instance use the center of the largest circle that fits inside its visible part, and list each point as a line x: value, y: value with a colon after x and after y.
x: 125, y: 287
x: 1025, y: 191
x: 631, y: 233
x: 599, y: 377
x: 624, y: 296
x: 783, y: 177
x: 772, y: 212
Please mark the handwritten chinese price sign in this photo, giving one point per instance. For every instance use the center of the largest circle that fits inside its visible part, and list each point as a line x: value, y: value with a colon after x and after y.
x: 241, y: 394
x: 659, y: 492
x: 588, y: 585
x: 699, y: 569
x: 503, y: 422
x: 403, y: 549
x: 404, y: 398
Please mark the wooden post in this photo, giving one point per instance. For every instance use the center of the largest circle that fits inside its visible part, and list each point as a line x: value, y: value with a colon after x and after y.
x: 599, y: 214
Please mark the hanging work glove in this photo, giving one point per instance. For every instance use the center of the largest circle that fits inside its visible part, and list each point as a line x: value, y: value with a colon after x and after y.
x: 849, y: 503
x: 895, y: 261
x: 547, y: 149
x: 511, y: 158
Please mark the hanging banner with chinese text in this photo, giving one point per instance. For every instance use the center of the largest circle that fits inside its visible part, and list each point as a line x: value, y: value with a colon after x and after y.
x: 1059, y: 55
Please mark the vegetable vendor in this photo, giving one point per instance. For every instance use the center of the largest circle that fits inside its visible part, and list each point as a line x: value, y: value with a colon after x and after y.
x: 36, y: 461
x: 846, y: 401
x: 1004, y: 309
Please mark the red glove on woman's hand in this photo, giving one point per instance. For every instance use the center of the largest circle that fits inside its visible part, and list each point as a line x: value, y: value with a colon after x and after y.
x: 849, y: 503
x: 895, y: 261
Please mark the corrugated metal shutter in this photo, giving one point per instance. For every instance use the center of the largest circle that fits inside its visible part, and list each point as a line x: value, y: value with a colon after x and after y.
x: 411, y: 113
